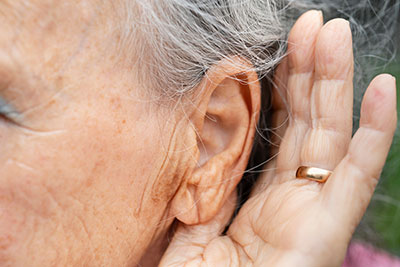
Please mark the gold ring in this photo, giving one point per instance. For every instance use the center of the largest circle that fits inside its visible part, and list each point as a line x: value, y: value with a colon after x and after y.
x: 312, y: 173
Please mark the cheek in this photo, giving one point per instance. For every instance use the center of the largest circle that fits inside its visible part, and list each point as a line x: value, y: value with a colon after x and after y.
x: 25, y: 204
x: 88, y: 182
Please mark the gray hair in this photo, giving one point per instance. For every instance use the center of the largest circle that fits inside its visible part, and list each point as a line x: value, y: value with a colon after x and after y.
x: 174, y: 42
x: 181, y: 39
x: 177, y: 41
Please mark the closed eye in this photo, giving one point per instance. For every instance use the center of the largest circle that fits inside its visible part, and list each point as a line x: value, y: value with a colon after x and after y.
x: 6, y: 111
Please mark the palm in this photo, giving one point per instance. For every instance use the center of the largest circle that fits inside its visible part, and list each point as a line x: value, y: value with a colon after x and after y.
x: 288, y: 219
x: 295, y: 222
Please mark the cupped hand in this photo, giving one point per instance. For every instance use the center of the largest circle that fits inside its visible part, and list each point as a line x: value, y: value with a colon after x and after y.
x: 298, y: 222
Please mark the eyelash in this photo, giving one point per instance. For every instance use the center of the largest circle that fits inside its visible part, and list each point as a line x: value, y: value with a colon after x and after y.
x: 4, y: 118
x: 5, y: 111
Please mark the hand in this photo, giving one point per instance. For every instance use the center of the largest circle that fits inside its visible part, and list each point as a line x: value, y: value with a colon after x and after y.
x: 297, y: 222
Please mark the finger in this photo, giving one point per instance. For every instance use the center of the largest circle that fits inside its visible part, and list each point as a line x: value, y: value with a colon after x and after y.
x: 348, y: 191
x: 327, y: 140
x: 301, y: 46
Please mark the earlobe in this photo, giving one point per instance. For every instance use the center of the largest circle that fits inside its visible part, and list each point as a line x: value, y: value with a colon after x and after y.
x: 224, y: 118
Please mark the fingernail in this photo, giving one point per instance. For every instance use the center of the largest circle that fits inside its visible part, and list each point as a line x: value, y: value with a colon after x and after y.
x: 389, y: 77
x: 321, y: 15
x: 318, y: 13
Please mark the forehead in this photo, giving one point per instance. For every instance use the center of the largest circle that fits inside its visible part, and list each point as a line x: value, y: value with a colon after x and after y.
x: 43, y: 42
x: 53, y: 37
x: 47, y: 23
x: 21, y: 19
x: 24, y: 10
x: 44, y: 34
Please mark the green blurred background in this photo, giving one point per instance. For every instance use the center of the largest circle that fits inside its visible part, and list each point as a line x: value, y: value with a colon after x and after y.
x: 381, y: 223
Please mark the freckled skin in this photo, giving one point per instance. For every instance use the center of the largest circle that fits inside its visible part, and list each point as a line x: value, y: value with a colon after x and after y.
x: 298, y: 222
x: 93, y: 171
x: 78, y: 173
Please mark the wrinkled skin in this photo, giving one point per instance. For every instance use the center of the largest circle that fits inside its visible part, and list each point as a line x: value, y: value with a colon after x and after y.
x: 82, y: 155
x: 94, y: 170
x: 294, y: 222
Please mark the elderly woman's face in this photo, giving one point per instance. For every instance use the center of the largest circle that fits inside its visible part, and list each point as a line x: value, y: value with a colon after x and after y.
x: 94, y: 170
x: 82, y: 155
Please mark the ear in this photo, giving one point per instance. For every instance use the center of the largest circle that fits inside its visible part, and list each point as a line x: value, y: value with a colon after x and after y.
x: 224, y: 119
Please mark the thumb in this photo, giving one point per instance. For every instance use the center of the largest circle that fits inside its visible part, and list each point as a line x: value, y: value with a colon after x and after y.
x: 190, y: 241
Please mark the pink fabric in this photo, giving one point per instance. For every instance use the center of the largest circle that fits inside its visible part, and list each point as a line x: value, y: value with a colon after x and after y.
x: 363, y: 255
